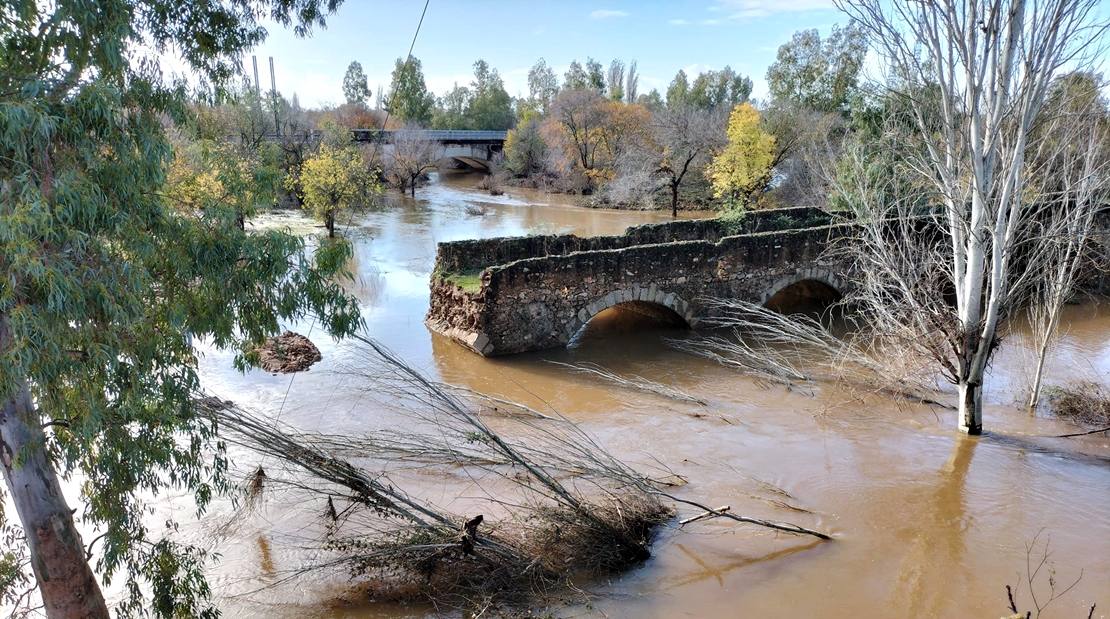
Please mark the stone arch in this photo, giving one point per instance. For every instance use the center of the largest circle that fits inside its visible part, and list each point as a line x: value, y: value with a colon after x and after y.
x: 823, y: 277
x: 643, y: 294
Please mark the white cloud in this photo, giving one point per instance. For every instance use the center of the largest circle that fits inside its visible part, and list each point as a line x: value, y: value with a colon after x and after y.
x: 678, y: 22
x: 607, y: 14
x: 737, y: 10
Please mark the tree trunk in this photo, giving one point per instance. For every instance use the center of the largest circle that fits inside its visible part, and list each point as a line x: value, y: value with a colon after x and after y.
x: 412, y: 187
x: 674, y: 200
x: 329, y: 222
x: 68, y: 587
x: 971, y: 405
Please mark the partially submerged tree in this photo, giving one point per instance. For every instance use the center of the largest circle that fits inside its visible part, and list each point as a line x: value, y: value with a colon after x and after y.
x: 411, y: 154
x: 335, y: 178
x: 1071, y: 170
x: 971, y: 79
x: 106, y: 282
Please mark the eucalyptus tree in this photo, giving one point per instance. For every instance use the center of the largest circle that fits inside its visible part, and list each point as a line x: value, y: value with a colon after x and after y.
x: 355, y: 87
x: 106, y: 280
x: 408, y: 98
x: 490, y: 107
x: 542, y: 86
x: 820, y: 75
x: 972, y: 80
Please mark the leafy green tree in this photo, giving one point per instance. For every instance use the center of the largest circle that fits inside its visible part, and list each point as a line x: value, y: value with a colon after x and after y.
x: 451, y: 113
x: 724, y: 88
x: 743, y: 167
x: 525, y: 148
x: 409, y: 99
x: 677, y: 91
x: 355, y: 87
x: 107, y: 279
x: 819, y: 75
x: 615, y: 80
x: 542, y: 86
x: 491, y: 108
x: 652, y: 100
x: 576, y: 77
x: 335, y: 178
x: 595, y: 75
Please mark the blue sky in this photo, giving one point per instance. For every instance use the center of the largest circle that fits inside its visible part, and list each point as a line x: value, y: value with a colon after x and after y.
x: 662, y: 37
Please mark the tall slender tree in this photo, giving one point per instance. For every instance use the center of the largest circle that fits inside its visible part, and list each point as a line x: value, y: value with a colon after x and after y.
x: 356, y: 90
x: 409, y: 99
x: 972, y: 78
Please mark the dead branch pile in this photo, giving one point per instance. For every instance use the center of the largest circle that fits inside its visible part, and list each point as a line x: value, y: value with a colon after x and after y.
x: 288, y: 352
x: 545, y: 502
x: 1083, y: 403
x: 789, y: 349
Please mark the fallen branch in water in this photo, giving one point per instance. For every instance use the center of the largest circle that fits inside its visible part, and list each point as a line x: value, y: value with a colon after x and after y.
x: 555, y: 503
x: 785, y: 344
x: 633, y: 382
x: 713, y: 512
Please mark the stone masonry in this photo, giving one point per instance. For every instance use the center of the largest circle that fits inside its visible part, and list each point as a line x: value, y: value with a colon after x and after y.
x: 536, y: 292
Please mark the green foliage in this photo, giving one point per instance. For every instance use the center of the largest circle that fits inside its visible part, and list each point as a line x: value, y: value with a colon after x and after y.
x: 335, y: 178
x: 652, y: 100
x: 452, y: 110
x: 409, y: 99
x: 525, y: 148
x: 819, y: 75
x: 724, y: 88
x: 592, y: 77
x: 469, y: 282
x: 677, y: 91
x: 743, y: 167
x: 542, y: 87
x: 355, y: 87
x: 491, y: 108
x: 106, y: 278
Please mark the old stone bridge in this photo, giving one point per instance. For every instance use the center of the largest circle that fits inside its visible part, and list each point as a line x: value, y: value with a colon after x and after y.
x: 509, y: 295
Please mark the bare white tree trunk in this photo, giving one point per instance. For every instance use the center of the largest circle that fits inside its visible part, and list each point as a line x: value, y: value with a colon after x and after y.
x: 993, y: 61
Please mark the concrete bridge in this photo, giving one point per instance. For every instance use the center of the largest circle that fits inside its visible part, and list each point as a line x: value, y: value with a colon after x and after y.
x: 472, y: 148
x: 509, y: 295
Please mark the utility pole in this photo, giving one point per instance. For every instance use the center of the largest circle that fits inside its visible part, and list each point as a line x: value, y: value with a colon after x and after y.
x: 273, y: 91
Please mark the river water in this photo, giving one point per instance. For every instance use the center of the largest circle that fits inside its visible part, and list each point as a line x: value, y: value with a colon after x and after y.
x: 927, y: 523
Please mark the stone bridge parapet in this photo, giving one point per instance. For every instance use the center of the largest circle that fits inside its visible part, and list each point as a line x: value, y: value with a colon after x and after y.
x: 510, y: 295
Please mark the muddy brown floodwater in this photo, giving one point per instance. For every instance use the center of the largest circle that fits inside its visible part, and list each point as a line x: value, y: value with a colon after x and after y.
x: 927, y: 523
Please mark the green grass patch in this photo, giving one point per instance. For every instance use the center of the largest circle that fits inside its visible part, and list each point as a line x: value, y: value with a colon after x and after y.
x: 470, y: 281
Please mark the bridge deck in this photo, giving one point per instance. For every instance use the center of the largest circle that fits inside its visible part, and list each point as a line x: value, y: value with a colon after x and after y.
x: 441, y: 136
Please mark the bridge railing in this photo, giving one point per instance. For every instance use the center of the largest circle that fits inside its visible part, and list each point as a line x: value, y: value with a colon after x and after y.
x: 439, y: 135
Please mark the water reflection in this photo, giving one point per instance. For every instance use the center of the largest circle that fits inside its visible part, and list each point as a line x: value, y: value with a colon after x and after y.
x: 934, y: 563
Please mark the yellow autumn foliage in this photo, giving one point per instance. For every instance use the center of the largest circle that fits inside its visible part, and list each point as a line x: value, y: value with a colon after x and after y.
x: 743, y: 167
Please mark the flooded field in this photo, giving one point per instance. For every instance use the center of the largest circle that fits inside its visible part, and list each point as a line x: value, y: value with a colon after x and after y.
x: 927, y: 522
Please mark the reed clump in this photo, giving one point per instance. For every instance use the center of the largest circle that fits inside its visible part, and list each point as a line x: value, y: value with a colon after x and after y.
x: 1084, y: 403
